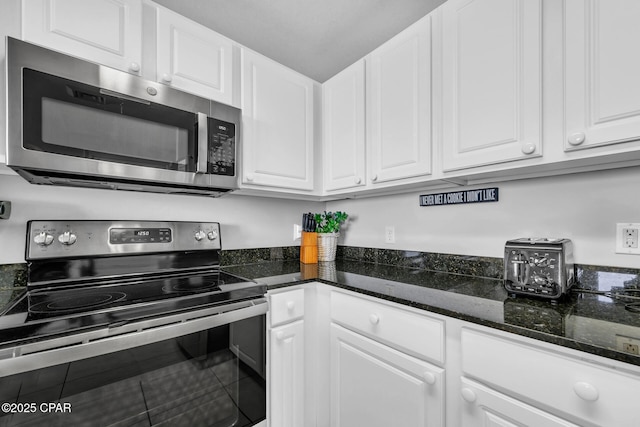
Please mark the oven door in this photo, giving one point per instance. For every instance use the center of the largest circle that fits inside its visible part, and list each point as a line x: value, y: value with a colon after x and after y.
x: 191, y: 371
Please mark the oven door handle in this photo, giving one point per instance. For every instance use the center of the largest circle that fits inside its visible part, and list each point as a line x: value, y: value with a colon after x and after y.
x: 203, y: 143
x: 119, y: 337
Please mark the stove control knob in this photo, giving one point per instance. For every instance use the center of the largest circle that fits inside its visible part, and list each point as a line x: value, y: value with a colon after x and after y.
x: 212, y: 235
x: 43, y: 239
x: 200, y: 235
x: 67, y: 238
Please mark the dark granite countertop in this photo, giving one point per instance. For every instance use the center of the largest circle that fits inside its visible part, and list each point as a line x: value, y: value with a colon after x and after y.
x: 588, y: 322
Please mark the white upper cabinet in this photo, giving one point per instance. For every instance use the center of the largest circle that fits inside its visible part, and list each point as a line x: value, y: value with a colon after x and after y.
x: 193, y: 58
x: 399, y: 105
x: 344, y: 129
x: 602, y: 80
x: 491, y: 82
x: 104, y: 31
x: 277, y: 123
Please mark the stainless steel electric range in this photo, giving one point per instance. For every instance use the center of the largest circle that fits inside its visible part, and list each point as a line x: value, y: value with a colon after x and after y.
x: 132, y: 323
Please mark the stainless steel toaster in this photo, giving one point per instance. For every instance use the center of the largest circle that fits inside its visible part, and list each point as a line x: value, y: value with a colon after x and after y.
x: 539, y: 266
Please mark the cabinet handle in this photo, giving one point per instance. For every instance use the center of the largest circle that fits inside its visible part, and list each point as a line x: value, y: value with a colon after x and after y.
x: 280, y: 335
x: 166, y: 78
x: 358, y: 180
x: 249, y: 177
x: 290, y: 305
x: 375, y: 178
x: 429, y: 378
x: 469, y: 395
x: 134, y: 66
x: 528, y: 148
x: 374, y: 319
x: 577, y: 138
x: 586, y: 391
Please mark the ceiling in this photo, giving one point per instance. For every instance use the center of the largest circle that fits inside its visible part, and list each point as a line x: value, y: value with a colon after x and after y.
x: 317, y: 38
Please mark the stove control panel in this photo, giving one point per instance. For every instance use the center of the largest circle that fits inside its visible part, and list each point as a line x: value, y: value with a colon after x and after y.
x: 55, y: 239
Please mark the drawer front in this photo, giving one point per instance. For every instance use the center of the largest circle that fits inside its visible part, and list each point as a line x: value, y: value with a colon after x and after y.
x: 482, y: 406
x: 286, y: 306
x: 413, y: 333
x: 577, y: 390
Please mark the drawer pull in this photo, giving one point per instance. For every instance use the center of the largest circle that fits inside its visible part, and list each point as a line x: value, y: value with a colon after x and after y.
x: 468, y: 395
x: 280, y: 335
x: 374, y: 319
x: 290, y: 306
x: 586, y: 391
x: 429, y: 378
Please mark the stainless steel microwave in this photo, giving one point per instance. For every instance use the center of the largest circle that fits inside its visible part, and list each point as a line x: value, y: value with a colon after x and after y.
x: 76, y: 123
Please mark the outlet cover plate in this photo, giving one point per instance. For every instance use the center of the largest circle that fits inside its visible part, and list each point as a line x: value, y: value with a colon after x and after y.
x: 389, y: 234
x: 627, y: 238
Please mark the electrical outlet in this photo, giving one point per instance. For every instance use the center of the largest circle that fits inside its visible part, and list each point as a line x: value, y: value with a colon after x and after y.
x: 627, y: 238
x: 628, y: 345
x: 297, y: 232
x: 390, y: 234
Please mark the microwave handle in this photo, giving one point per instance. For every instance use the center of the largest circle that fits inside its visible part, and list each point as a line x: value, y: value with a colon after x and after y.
x: 203, y: 145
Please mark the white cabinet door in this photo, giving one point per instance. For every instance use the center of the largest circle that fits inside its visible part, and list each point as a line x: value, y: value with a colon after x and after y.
x: 108, y: 32
x: 343, y: 106
x: 399, y: 105
x: 484, y: 407
x: 491, y: 81
x: 286, y: 380
x: 602, y: 96
x: 277, y: 119
x: 193, y: 58
x: 376, y: 386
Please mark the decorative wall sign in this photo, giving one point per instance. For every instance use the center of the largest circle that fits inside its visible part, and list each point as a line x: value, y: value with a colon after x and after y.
x: 460, y: 197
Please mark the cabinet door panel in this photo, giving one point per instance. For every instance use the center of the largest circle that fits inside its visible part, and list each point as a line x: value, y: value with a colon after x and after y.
x: 286, y: 381
x: 373, y: 385
x: 344, y: 128
x: 104, y: 31
x: 193, y: 58
x: 602, y: 73
x: 491, y: 81
x: 277, y: 111
x: 399, y: 88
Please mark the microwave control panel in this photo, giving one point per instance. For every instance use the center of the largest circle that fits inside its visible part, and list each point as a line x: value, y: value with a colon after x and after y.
x: 222, y: 148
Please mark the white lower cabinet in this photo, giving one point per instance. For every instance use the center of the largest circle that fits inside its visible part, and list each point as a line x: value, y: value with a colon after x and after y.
x: 376, y: 386
x: 286, y: 359
x: 484, y: 407
x: 574, y: 388
x: 286, y: 382
x: 342, y: 359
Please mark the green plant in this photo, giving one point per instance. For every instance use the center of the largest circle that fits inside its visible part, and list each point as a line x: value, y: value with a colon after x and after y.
x: 329, y: 222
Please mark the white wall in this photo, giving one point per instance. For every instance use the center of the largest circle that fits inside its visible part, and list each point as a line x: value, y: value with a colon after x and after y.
x: 583, y: 207
x: 246, y: 222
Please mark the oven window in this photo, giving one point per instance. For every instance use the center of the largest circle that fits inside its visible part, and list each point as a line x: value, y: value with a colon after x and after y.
x: 208, y: 378
x: 75, y: 119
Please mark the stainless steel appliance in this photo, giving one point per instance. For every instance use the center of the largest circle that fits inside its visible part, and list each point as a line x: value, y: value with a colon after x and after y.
x: 76, y: 123
x: 127, y: 323
x: 539, y: 266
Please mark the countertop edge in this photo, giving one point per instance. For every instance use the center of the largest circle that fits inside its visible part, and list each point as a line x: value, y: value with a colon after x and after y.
x: 517, y: 330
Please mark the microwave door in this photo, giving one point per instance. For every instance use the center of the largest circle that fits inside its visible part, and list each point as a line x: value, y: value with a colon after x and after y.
x: 111, y: 133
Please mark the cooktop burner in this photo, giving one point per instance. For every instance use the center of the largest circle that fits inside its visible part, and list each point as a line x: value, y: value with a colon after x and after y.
x: 56, y: 302
x: 68, y: 303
